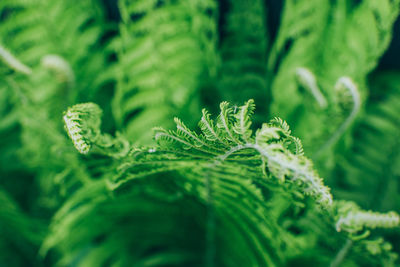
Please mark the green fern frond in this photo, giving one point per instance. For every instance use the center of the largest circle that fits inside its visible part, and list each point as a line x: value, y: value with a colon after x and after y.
x: 244, y: 45
x: 370, y: 165
x: 163, y: 55
x: 225, y: 122
x: 232, y: 192
x: 330, y: 47
x: 203, y: 177
x: 210, y: 131
x: 266, y: 144
x: 243, y: 121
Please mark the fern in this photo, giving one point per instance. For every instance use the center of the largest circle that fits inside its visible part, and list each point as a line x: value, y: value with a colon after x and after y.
x: 370, y: 161
x: 352, y: 219
x: 20, y: 235
x: 39, y: 98
x: 86, y: 185
x: 269, y: 143
x: 307, y: 80
x: 244, y: 43
x: 201, y: 169
x: 329, y: 49
x: 163, y: 54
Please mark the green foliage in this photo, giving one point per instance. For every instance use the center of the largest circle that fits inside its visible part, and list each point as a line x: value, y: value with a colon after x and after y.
x: 243, y: 50
x: 164, y: 50
x: 20, y: 234
x: 85, y: 184
x: 332, y: 39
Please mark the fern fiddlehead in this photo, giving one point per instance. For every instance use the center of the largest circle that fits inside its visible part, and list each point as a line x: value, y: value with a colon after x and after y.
x: 82, y: 122
x: 307, y: 80
x: 347, y: 94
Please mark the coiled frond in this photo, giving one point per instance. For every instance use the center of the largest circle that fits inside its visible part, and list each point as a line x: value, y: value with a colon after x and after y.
x: 307, y: 80
x: 347, y: 95
x: 82, y: 122
x: 61, y: 67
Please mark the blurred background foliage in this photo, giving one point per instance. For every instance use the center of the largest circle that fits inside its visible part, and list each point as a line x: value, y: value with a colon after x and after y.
x: 331, y: 69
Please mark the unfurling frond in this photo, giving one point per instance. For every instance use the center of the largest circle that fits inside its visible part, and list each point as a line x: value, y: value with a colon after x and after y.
x: 347, y: 95
x: 82, y: 122
x: 308, y: 81
x: 61, y: 67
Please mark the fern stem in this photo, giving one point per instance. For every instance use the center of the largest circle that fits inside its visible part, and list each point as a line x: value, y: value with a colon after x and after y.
x: 13, y: 62
x: 325, y: 195
x: 341, y: 255
x: 158, y: 135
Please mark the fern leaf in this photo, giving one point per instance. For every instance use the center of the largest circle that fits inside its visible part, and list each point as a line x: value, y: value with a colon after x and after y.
x: 244, y: 45
x: 163, y: 56
x: 267, y: 145
x: 243, y: 122
x: 210, y: 131
x: 328, y: 46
